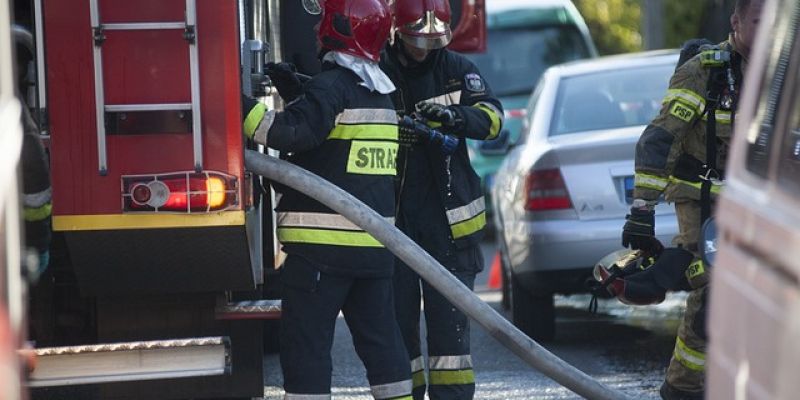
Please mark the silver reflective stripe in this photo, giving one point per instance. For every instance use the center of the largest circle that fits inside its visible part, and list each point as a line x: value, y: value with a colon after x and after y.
x: 466, y: 212
x: 367, y: 116
x: 417, y: 364
x: 391, y: 390
x: 293, y: 396
x: 319, y: 220
x: 260, y: 136
x: 450, y: 362
x: 447, y: 99
x: 36, y: 200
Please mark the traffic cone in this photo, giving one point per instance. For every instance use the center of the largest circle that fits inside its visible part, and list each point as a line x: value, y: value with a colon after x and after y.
x: 495, y: 273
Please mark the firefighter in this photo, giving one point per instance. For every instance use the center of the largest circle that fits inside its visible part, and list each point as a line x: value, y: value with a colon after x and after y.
x: 343, y: 128
x: 681, y: 155
x: 440, y: 201
x: 36, y: 194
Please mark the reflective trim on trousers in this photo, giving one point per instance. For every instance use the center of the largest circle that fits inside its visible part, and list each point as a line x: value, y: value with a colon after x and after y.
x: 36, y: 200
x: 295, y: 396
x: 393, y: 390
x: 689, y: 358
x: 450, y: 362
x: 459, y: 377
x: 38, y: 213
x: 327, y: 237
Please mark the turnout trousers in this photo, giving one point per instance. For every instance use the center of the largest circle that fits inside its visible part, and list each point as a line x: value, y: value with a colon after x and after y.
x: 686, y: 372
x: 311, y: 304
x: 449, y: 364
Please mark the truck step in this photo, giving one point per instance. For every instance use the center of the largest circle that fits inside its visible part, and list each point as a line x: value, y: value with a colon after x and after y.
x: 131, y: 361
x: 255, y: 309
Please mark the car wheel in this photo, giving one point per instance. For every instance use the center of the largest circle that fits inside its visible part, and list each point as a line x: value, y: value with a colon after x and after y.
x: 533, y: 314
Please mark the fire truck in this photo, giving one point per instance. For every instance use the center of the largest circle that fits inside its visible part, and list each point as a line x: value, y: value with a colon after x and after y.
x: 163, y: 260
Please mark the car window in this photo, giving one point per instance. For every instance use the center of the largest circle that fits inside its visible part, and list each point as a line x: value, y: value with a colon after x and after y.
x: 529, y: 109
x: 788, y: 171
x: 759, y: 135
x: 516, y: 58
x: 610, y: 99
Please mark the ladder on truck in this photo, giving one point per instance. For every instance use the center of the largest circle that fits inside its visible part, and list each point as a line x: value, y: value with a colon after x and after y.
x: 188, y: 27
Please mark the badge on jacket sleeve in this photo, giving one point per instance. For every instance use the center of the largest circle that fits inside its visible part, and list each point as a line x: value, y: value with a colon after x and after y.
x: 474, y: 83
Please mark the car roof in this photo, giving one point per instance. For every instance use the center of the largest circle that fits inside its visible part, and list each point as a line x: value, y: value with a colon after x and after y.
x: 527, y: 13
x: 605, y: 63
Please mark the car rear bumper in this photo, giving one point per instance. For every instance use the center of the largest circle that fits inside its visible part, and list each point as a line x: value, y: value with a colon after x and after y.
x: 539, y: 250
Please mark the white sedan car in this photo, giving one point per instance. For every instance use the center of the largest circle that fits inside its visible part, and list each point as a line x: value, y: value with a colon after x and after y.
x: 562, y: 193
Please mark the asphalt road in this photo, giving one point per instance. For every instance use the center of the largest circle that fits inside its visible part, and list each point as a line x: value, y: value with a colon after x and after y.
x: 623, y: 347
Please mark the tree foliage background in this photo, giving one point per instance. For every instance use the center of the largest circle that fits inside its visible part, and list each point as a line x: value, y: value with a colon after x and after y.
x: 616, y: 25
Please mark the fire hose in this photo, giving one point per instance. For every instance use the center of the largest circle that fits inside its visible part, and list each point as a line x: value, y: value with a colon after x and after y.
x: 434, y: 273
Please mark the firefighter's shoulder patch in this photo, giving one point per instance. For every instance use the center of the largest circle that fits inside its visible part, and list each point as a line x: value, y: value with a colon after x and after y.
x: 474, y: 83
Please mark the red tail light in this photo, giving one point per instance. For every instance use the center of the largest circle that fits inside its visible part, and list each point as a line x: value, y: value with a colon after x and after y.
x: 180, y: 192
x: 515, y: 113
x: 546, y: 190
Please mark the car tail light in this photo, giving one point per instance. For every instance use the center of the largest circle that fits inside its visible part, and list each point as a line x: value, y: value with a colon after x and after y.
x: 180, y: 192
x: 546, y: 190
x: 515, y: 113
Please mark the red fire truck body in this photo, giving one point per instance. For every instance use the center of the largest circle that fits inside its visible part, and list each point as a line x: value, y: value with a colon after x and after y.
x: 157, y: 272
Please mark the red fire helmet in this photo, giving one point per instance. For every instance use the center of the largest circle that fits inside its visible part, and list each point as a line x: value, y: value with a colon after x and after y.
x: 424, y: 24
x: 357, y: 27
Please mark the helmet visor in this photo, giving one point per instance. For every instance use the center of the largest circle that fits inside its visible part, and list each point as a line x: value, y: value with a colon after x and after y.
x: 428, y: 32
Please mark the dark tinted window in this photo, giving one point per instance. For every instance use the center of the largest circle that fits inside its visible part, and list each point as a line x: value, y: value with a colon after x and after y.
x: 516, y: 58
x: 610, y: 99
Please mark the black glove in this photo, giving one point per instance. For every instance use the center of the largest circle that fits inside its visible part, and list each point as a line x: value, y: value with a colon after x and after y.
x: 284, y: 77
x: 448, y: 116
x: 407, y: 132
x: 639, y: 231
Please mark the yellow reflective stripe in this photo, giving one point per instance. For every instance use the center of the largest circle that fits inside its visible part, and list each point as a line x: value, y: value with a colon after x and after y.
x: 695, y: 269
x: 364, y: 131
x: 721, y: 116
x: 682, y: 111
x: 468, y: 227
x: 647, y: 181
x: 459, y: 377
x: 38, y: 213
x: 300, y: 219
x: 689, y: 97
x: 146, y: 221
x: 493, y: 116
x: 372, y: 158
x: 690, y: 358
x: 403, y: 398
x: 418, y: 379
x: 253, y: 119
x: 715, y: 187
x: 328, y: 237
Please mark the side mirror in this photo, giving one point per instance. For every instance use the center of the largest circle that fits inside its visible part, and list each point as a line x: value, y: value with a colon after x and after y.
x: 498, y: 146
x: 708, y: 242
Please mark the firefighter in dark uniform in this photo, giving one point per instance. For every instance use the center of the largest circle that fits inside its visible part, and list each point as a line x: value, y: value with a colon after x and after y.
x: 343, y: 128
x: 36, y: 193
x: 440, y: 201
x: 672, y: 159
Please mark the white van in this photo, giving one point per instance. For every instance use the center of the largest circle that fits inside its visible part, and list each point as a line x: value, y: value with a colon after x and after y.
x: 754, y: 315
